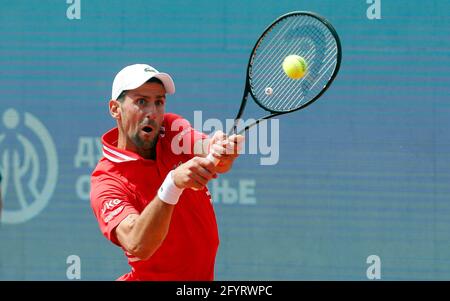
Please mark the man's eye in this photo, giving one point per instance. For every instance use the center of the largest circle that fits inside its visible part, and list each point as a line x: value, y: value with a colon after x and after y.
x: 141, y: 101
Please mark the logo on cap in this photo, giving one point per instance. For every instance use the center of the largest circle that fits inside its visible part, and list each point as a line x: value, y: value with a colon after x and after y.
x: 147, y: 69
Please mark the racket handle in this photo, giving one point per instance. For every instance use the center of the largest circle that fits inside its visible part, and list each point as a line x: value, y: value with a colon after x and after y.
x: 213, y: 159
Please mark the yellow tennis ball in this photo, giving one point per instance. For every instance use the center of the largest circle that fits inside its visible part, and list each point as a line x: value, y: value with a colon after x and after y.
x: 295, y: 66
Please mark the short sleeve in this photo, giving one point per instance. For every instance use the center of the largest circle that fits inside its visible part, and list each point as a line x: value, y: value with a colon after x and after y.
x: 111, y: 203
x: 181, y: 134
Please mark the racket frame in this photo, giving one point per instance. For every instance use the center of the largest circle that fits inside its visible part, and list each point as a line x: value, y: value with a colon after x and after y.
x: 248, y: 89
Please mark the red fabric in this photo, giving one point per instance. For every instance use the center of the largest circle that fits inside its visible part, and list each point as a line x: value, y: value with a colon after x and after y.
x: 124, y: 183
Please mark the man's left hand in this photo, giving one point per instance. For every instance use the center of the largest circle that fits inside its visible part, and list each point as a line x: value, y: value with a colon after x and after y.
x: 226, y: 149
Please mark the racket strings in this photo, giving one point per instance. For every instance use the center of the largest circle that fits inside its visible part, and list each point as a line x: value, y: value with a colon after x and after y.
x: 265, y: 59
x: 280, y: 76
x: 302, y: 35
x: 306, y: 89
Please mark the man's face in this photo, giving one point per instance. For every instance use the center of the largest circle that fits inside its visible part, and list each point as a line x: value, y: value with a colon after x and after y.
x: 142, y: 114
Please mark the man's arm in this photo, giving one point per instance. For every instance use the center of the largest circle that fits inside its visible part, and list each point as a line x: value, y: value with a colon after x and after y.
x: 141, y: 235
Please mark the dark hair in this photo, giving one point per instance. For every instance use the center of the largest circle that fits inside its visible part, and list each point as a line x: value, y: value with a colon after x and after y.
x: 121, y: 97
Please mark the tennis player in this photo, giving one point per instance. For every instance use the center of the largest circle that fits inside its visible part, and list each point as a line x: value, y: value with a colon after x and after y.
x: 150, y: 199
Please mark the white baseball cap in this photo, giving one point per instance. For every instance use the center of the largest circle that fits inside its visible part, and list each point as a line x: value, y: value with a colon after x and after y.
x: 134, y: 76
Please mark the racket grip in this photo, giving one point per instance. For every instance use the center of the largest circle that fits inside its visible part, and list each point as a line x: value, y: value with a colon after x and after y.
x: 213, y: 159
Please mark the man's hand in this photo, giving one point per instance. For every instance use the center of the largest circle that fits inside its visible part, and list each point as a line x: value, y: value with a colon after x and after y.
x: 194, y: 173
x: 226, y: 149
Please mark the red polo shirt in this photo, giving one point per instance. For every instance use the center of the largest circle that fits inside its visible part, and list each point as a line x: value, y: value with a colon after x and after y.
x: 124, y: 183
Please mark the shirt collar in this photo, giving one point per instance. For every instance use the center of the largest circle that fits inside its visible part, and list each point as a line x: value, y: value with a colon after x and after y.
x: 114, y: 154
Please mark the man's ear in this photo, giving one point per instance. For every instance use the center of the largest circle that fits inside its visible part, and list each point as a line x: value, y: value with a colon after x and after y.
x: 114, y: 108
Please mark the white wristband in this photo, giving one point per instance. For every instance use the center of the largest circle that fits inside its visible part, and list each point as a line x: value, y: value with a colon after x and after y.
x: 168, y: 192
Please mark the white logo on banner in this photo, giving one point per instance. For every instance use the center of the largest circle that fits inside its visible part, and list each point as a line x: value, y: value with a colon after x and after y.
x: 29, y: 176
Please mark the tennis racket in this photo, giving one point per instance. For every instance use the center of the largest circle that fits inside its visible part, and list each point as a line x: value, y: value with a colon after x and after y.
x: 300, y: 33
